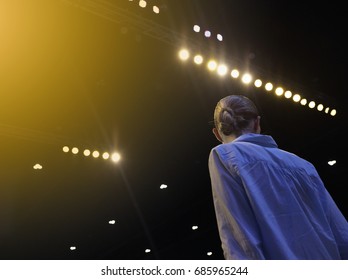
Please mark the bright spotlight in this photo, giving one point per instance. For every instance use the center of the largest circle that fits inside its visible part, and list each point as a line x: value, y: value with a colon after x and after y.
x: 246, y: 78
x: 320, y: 107
x: 196, y: 28
x: 269, y: 86
x: 311, y: 104
x: 235, y: 73
x: 222, y: 70
x: 147, y: 250
x: 116, y: 157
x: 155, y: 9
x: 207, y: 33
x: 279, y: 91
x: 198, y: 59
x: 142, y: 3
x: 95, y: 154
x: 288, y: 94
x: 219, y: 37
x: 75, y: 150
x: 184, y: 54
x: 65, y: 149
x: 303, y: 101
x: 296, y: 98
x: 333, y: 112
x: 212, y: 65
x: 86, y: 152
x: 106, y: 155
x: 258, y: 83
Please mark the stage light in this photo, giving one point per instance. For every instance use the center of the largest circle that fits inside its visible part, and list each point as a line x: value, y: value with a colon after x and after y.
x: 235, y: 73
x: 37, y: 166
x: 106, y: 155
x: 209, y: 253
x: 219, y: 37
x: 116, y: 157
x: 333, y: 112
x: 95, y: 154
x: 75, y: 150
x: 86, y: 152
x: 155, y: 9
x: 288, y: 94
x: 196, y: 28
x: 212, y: 64
x: 142, y: 3
x: 198, y: 59
x: 279, y: 91
x: 311, y: 104
x: 184, y: 54
x: 246, y: 79
x: 303, y: 101
x: 258, y: 83
x: 296, y: 97
x: 112, y: 222
x: 222, y: 70
x: 65, y: 149
x: 331, y: 162
x: 147, y: 250
x: 72, y: 248
x: 163, y: 186
x: 194, y: 227
x: 269, y: 86
x: 207, y: 33
x: 320, y: 107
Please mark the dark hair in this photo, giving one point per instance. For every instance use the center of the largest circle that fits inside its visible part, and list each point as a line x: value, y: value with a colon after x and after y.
x: 233, y: 114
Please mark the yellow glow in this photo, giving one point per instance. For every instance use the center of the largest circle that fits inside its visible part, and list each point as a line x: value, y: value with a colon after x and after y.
x: 156, y: 10
x: 296, y: 98
x: 95, y: 154
x: 37, y: 166
x: 222, y: 70
x: 86, y: 152
x: 258, y: 83
x: 75, y: 150
x: 279, y: 91
x: 65, y: 149
x: 212, y: 65
x: 268, y: 86
x: 106, y: 155
x: 246, y: 79
x: 198, y: 59
x: 116, y: 157
x: 333, y: 112
x: 288, y: 94
x: 235, y: 73
x: 184, y: 54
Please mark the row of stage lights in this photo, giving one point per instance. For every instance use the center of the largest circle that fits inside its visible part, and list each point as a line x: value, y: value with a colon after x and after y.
x: 143, y: 4
x: 115, y: 157
x: 222, y: 70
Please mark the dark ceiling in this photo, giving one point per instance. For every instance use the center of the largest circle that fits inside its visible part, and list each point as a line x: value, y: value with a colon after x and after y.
x: 105, y: 75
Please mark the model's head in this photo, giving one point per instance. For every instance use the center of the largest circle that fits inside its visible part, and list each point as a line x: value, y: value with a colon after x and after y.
x: 235, y: 115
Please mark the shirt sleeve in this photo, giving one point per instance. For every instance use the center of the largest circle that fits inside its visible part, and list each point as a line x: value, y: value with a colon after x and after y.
x: 237, y: 225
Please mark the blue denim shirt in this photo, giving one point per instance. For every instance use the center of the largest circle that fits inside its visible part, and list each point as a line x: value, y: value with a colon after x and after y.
x: 272, y: 204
